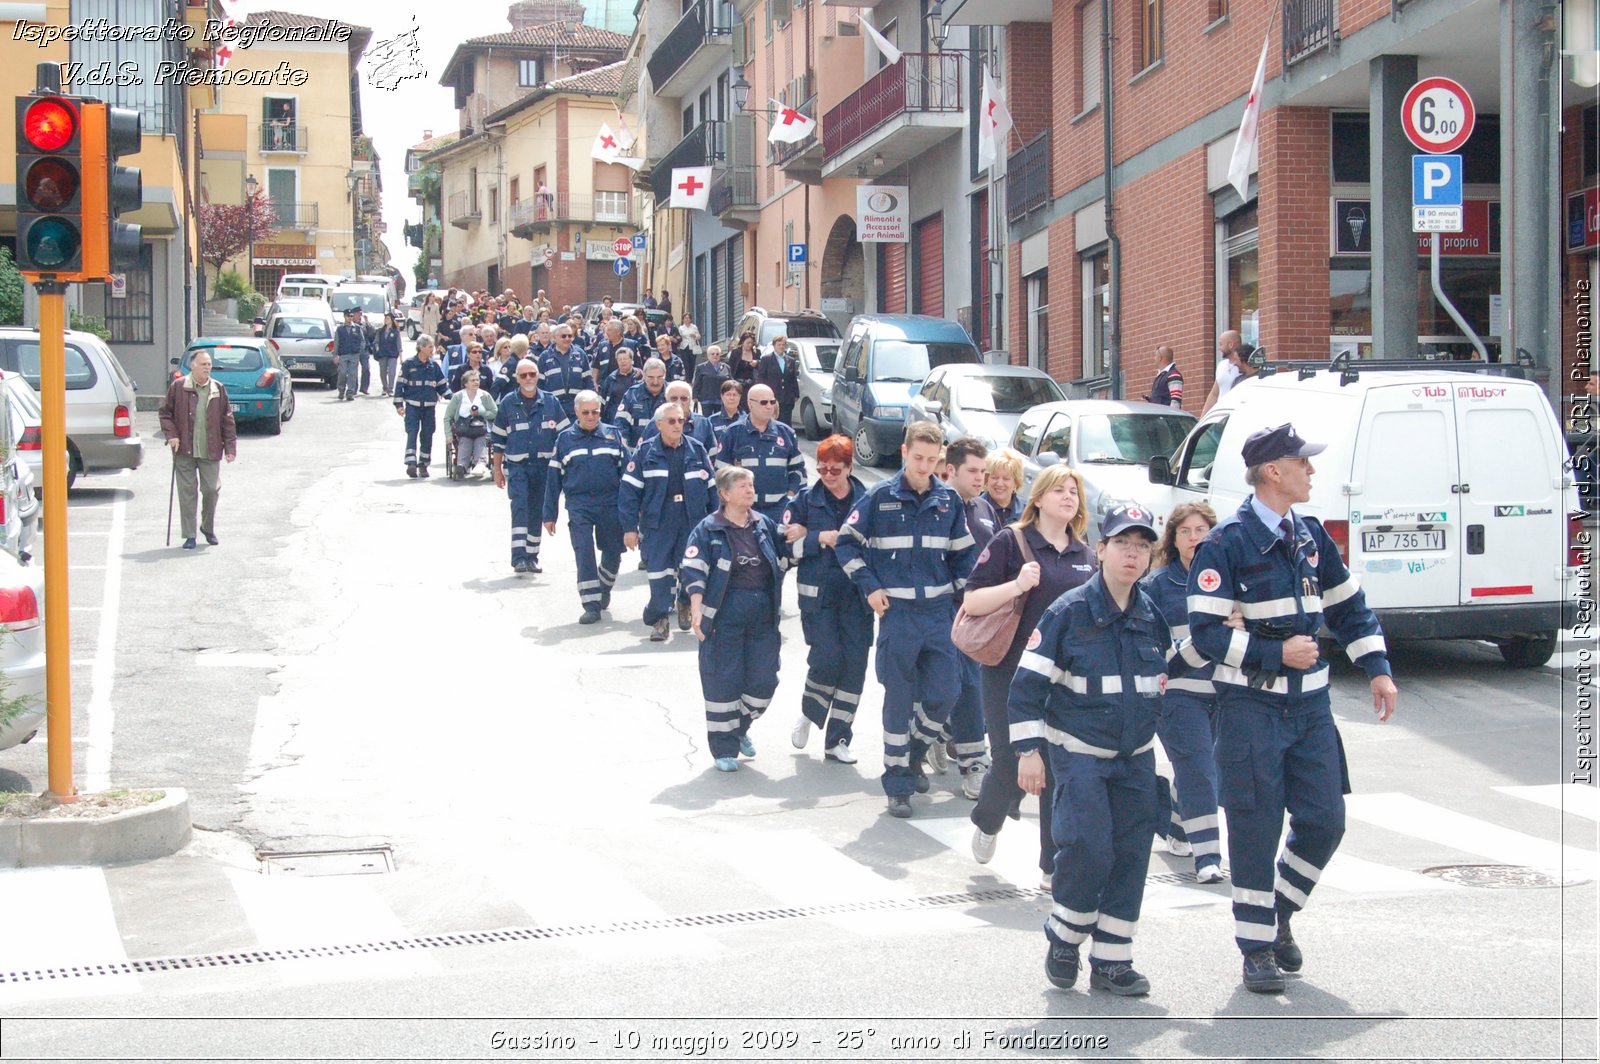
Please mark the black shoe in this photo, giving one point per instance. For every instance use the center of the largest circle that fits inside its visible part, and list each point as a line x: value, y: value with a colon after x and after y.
x: 211, y: 538
x: 533, y: 563
x: 1285, y: 950
x: 188, y: 544
x: 519, y: 567
x: 590, y: 615
x: 900, y: 806
x: 919, y: 777
x: 683, y: 616
x: 422, y: 470
x: 1261, y: 974
x: 658, y: 631
x: 605, y: 599
x: 1061, y: 965
x: 1119, y: 978
x: 411, y: 471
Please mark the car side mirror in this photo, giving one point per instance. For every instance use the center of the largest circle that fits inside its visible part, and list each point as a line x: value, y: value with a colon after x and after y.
x: 1048, y: 459
x: 173, y: 361
x: 1160, y: 470
x: 933, y: 406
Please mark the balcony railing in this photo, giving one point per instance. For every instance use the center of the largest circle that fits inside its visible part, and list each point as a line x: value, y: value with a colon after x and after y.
x: 706, y: 144
x: 461, y: 210
x: 285, y: 137
x: 544, y: 211
x: 297, y: 216
x: 733, y: 188
x: 921, y: 83
x: 705, y: 21
x: 1307, y: 27
x: 783, y: 154
x: 1028, y: 177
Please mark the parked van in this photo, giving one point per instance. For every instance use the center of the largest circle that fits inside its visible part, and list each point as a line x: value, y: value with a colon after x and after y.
x: 306, y: 286
x: 367, y: 298
x: 1447, y: 492
x: 883, y: 362
x: 382, y: 281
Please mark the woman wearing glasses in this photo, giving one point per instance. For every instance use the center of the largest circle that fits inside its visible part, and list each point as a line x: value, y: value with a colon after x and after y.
x: 835, y: 618
x: 732, y: 573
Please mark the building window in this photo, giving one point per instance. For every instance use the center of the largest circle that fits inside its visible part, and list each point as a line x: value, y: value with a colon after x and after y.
x: 516, y: 191
x: 1089, y: 54
x: 1150, y: 42
x: 158, y: 98
x: 284, y: 188
x: 131, y: 319
x: 1352, y: 150
x: 611, y: 206
x: 494, y: 205
x: 1238, y: 281
x: 529, y: 73
x: 278, y: 120
x: 1096, y: 314
x: 472, y: 190
x: 1039, y: 319
x: 1218, y: 10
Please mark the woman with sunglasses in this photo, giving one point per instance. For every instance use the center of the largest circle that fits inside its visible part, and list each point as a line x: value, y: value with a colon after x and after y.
x: 836, y: 620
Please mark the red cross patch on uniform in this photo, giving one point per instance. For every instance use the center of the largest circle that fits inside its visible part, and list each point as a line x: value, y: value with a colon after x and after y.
x: 1034, y: 640
x: 984, y: 556
x: 1161, y: 683
x: 855, y: 517
x: 1311, y: 559
x: 1209, y: 580
x: 786, y: 516
x: 691, y: 551
x: 630, y: 467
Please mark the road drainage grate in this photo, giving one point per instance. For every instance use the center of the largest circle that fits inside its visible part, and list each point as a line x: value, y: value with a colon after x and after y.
x: 1495, y: 876
x: 245, y: 958
x: 374, y: 860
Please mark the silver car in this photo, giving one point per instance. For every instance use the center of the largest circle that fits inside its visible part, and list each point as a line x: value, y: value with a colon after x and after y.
x: 817, y: 355
x: 981, y: 401
x: 101, y: 399
x: 301, y: 331
x: 1109, y: 442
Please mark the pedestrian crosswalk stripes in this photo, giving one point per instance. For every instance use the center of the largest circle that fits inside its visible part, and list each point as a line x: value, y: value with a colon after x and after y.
x: 1574, y: 798
x: 78, y: 921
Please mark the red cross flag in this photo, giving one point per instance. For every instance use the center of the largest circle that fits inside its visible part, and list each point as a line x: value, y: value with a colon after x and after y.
x: 1244, y: 147
x: 606, y: 148
x: 224, y: 50
x: 691, y: 188
x: 994, y: 123
x: 789, y: 126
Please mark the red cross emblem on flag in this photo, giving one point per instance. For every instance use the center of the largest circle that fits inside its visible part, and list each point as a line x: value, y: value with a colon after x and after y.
x: 608, y: 141
x: 993, y: 121
x: 791, y: 116
x: 691, y: 185
x: 224, y: 54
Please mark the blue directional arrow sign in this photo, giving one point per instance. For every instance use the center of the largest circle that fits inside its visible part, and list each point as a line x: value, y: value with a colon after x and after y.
x: 797, y: 254
x: 622, y: 267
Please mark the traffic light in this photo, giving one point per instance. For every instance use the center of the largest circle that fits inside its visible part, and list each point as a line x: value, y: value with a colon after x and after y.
x: 109, y: 190
x: 49, y: 185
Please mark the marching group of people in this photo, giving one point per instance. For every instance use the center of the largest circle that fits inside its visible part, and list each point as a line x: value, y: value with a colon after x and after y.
x: 1074, y: 657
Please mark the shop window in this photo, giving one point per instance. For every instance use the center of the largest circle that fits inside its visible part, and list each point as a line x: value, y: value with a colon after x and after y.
x: 1469, y: 282
x: 1238, y: 279
x: 1352, y: 150
x: 1096, y: 314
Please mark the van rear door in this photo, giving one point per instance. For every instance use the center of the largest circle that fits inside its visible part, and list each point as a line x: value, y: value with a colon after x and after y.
x: 1405, y: 519
x: 1511, y: 460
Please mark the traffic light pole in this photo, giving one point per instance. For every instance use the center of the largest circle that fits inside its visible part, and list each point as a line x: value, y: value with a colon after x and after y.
x: 57, y: 634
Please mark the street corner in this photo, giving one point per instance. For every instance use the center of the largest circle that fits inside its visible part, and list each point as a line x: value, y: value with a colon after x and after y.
x: 111, y: 827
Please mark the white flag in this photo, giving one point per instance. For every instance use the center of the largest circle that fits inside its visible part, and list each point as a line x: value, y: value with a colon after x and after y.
x: 1244, y: 148
x: 691, y: 188
x: 995, y: 124
x: 789, y: 126
x: 606, y: 149
x: 890, y: 52
x: 632, y: 162
x: 625, y: 136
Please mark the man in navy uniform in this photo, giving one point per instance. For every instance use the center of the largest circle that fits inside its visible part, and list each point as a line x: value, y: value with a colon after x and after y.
x: 521, y: 443
x: 588, y: 466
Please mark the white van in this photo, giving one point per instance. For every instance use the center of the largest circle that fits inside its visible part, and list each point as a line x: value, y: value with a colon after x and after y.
x: 1448, y: 494
x: 306, y: 286
x: 383, y: 282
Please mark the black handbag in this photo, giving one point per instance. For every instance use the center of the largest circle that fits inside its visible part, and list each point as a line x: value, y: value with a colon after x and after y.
x: 472, y: 427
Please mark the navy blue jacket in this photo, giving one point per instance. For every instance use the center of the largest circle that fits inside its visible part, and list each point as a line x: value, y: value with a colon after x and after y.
x: 822, y: 580
x: 420, y: 383
x: 525, y: 429
x: 1187, y: 670
x: 699, y: 427
x: 588, y: 467
x: 708, y: 563
x: 642, y: 499
x: 388, y: 343
x: 638, y: 409
x: 351, y: 340
x: 917, y: 550
x: 1090, y: 681
x: 564, y: 377
x: 772, y: 454
x: 1308, y: 586
x: 603, y: 359
x: 612, y: 389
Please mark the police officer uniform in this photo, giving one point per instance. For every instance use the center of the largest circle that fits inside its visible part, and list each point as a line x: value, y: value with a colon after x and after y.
x: 1185, y: 726
x: 564, y: 376
x: 588, y: 467
x: 420, y: 388
x: 665, y: 491
x: 524, y: 435
x: 1277, y: 744
x: 917, y: 550
x: 638, y: 411
x: 772, y: 454
x: 1086, y: 694
x: 350, y: 345
x: 737, y: 571
x: 836, y: 620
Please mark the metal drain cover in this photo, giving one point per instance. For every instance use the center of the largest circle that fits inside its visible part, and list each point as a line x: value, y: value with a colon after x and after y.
x: 366, y: 862
x: 1495, y: 876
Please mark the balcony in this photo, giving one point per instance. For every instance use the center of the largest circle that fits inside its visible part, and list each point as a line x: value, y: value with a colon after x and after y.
x: 1307, y: 28
x: 1028, y: 177
x: 802, y: 160
x: 705, y: 145
x: 462, y: 210
x: 998, y: 12
x: 301, y: 217
x: 540, y: 215
x: 698, y: 45
x: 733, y: 196
x: 289, y: 139
x: 901, y: 112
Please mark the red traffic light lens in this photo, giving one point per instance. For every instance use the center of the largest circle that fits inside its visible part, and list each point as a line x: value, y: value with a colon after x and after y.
x: 53, y: 242
x: 49, y: 124
x: 50, y: 185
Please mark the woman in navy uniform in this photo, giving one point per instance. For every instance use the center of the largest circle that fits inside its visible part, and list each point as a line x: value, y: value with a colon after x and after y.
x: 731, y: 571
x: 1088, y: 687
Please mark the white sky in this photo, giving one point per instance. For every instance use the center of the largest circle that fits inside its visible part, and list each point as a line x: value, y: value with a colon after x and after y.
x: 395, y: 119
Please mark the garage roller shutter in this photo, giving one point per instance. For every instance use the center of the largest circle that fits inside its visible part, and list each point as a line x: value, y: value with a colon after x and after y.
x: 735, y: 279
x: 929, y: 243
x: 892, y: 282
x: 719, y: 291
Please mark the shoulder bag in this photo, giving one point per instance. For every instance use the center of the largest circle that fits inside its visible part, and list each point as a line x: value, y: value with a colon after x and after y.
x: 987, y: 639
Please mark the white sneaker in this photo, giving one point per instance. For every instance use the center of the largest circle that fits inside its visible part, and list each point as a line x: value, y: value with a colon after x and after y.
x: 971, y: 784
x: 1047, y: 882
x: 840, y: 752
x: 983, y: 845
x: 801, y: 733
x: 1210, y: 874
x: 1178, y: 848
x: 938, y: 758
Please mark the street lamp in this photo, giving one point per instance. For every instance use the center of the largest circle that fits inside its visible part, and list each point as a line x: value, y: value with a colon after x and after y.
x: 741, y: 90
x: 250, y: 186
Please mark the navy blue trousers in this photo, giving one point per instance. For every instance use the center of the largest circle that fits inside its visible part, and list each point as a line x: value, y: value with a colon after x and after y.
x: 662, y: 551
x: 595, y: 527
x: 966, y: 718
x: 525, y: 486
x: 738, y: 667
x: 916, y: 663
x: 1185, y: 730
x: 839, y: 636
x: 419, y: 434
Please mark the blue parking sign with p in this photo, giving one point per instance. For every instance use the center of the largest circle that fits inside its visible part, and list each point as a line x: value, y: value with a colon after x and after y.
x: 638, y: 241
x: 1436, y: 180
x: 797, y: 254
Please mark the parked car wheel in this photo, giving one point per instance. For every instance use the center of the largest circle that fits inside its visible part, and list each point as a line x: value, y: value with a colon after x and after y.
x: 866, y: 453
x: 273, y: 425
x: 74, y: 466
x: 413, y: 330
x: 1528, y: 652
x: 808, y: 415
x: 288, y: 406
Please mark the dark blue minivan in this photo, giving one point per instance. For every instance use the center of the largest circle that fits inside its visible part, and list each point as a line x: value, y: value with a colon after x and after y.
x: 882, y: 363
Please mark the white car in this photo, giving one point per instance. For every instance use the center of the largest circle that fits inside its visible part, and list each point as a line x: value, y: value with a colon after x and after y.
x: 22, y: 700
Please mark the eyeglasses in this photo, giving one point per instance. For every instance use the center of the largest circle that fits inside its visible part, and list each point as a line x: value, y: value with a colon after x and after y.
x: 526, y: 376
x: 831, y: 470
x: 672, y: 421
x: 763, y: 402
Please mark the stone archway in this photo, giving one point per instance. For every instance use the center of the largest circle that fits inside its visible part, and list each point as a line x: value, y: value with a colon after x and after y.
x: 844, y: 273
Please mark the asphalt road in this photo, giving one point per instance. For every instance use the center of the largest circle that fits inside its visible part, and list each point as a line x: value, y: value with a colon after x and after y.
x: 356, y: 666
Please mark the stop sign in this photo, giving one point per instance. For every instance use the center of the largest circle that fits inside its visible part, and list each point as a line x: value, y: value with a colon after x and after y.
x: 623, y: 246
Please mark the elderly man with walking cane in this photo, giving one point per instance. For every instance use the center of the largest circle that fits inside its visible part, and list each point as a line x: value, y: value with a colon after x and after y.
x: 197, y: 421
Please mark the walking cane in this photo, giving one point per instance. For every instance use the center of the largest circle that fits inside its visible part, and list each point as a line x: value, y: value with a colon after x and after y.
x: 172, y: 487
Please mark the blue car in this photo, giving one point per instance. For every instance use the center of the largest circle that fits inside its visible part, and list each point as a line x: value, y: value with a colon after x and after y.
x: 883, y: 362
x: 257, y: 381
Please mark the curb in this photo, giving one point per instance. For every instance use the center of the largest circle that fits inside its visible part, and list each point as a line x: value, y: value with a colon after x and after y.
x: 156, y: 830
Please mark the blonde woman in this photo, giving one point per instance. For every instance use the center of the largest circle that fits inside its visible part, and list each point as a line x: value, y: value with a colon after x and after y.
x: 1052, y: 524
x: 1002, y: 484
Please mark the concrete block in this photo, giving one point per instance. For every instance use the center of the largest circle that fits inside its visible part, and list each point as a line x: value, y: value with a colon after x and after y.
x: 10, y: 843
x: 161, y: 828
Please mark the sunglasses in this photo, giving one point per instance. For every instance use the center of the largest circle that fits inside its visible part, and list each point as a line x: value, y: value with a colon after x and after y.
x: 830, y: 470
x: 763, y: 402
x: 526, y: 376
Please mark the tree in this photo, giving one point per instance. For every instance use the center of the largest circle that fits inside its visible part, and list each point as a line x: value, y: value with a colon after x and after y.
x: 227, y: 229
x: 11, y: 286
